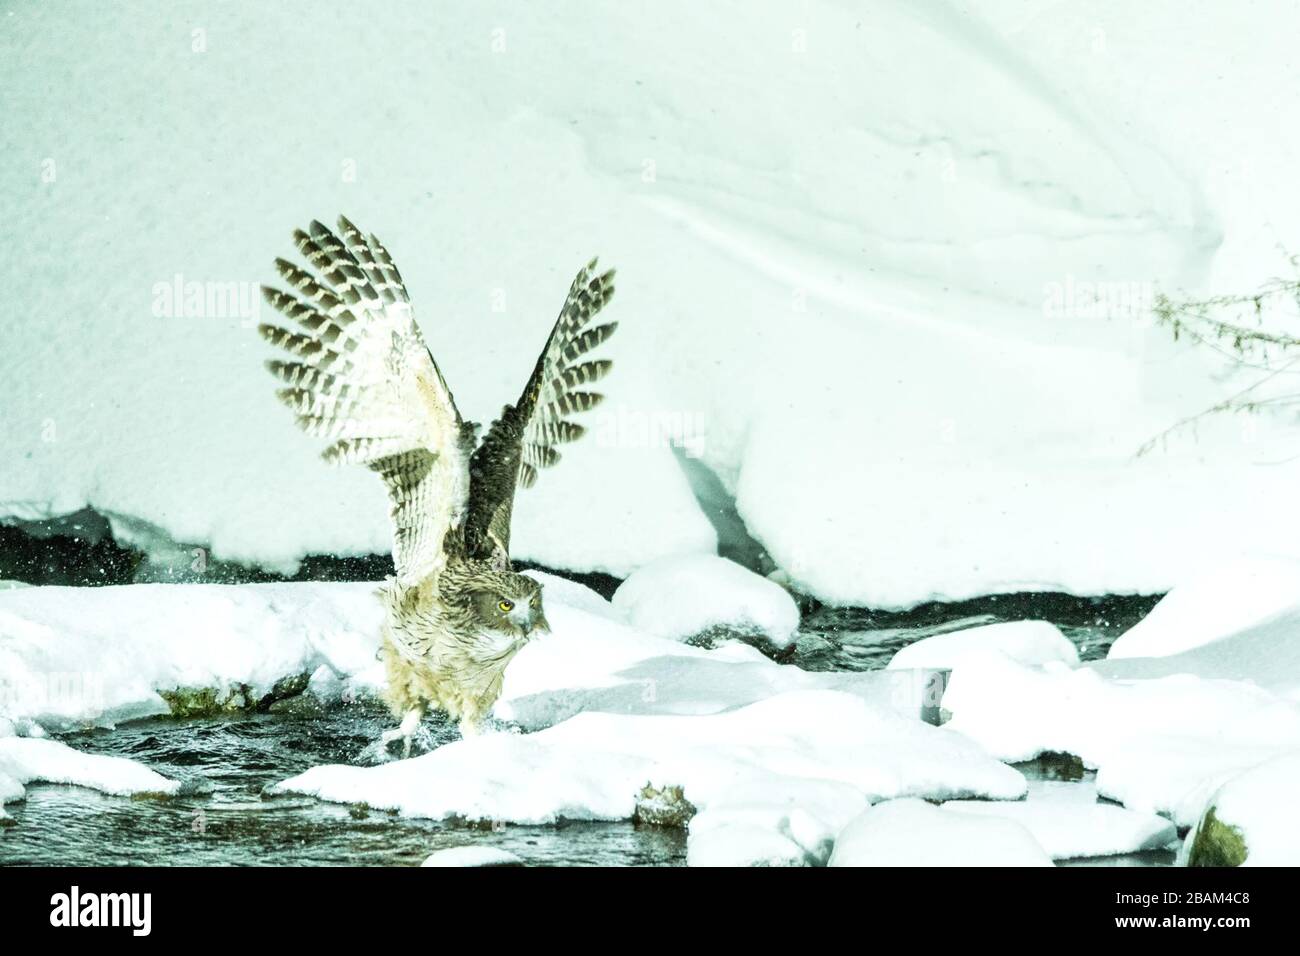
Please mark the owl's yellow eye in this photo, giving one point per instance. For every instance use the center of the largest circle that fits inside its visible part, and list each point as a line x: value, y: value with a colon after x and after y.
x: 506, y: 606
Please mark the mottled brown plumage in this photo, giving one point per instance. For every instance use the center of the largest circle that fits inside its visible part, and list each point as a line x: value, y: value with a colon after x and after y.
x: 361, y: 376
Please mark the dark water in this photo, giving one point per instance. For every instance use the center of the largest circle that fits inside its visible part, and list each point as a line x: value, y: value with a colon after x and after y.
x: 860, y: 639
x: 222, y: 818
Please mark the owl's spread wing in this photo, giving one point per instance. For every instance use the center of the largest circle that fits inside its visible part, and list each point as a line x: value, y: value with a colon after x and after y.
x: 362, y: 377
x: 525, y: 437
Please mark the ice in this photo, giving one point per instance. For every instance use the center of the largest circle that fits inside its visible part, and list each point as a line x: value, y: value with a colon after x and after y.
x: 1224, y: 601
x: 472, y: 856
x: 26, y: 760
x: 1259, y: 805
x: 895, y: 374
x: 1028, y: 642
x: 915, y: 833
x: 681, y: 597
x: 1159, y: 745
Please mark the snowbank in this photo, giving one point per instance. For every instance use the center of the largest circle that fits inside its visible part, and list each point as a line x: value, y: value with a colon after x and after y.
x: 78, y: 656
x: 1250, y: 820
x: 680, y: 597
x: 1159, y: 745
x: 884, y: 370
x: 1027, y: 642
x: 914, y: 833
x: 25, y: 760
x: 1225, y: 601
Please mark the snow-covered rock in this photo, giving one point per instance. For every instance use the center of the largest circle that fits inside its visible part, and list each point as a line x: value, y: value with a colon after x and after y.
x: 75, y: 656
x: 1159, y: 745
x: 1250, y: 820
x: 794, y: 826
x: 1027, y: 642
x: 1070, y: 829
x: 26, y: 760
x: 885, y: 370
x: 915, y: 833
x: 745, y: 844
x: 1224, y: 601
x: 473, y: 856
x: 680, y: 597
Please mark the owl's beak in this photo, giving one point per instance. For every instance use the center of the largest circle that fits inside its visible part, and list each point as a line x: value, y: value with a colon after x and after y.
x: 522, y: 618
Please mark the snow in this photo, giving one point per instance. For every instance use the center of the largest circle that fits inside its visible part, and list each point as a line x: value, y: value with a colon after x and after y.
x: 473, y: 856
x: 1027, y: 642
x: 914, y: 833
x: 1260, y: 803
x: 756, y: 827
x: 562, y: 590
x: 1068, y: 829
x: 592, y: 765
x: 1211, y: 606
x: 681, y: 597
x: 26, y: 760
x: 1266, y: 655
x: 81, y: 656
x: 895, y: 374
x: 1159, y: 745
x: 753, y: 743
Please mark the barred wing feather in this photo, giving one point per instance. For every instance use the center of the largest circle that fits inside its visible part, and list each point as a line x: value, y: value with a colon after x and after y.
x: 360, y: 376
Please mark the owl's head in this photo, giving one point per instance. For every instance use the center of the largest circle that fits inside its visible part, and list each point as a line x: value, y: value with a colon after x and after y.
x: 509, y: 603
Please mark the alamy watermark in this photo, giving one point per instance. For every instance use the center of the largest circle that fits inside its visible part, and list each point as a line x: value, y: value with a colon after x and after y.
x: 1083, y: 299
x: 57, y: 692
x: 664, y: 428
x: 181, y: 298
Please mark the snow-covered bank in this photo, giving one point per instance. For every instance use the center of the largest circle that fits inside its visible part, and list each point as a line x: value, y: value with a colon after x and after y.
x: 881, y: 319
x: 80, y: 656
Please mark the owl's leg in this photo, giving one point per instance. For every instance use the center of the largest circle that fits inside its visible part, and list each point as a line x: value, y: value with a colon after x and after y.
x: 404, y: 732
x: 410, y: 723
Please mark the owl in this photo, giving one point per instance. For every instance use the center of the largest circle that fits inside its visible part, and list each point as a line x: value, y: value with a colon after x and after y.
x: 358, y: 374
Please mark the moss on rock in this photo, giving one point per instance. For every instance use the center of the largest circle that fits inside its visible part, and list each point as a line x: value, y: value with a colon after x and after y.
x: 1217, y: 843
